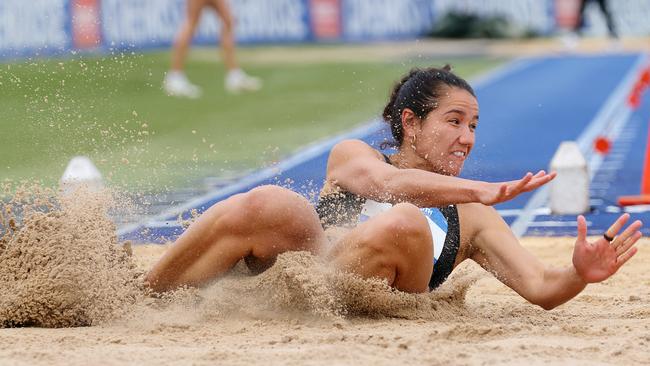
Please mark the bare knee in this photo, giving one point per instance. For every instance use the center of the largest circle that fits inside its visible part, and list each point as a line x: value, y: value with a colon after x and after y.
x: 281, y: 213
x: 225, y: 15
x: 403, y: 239
x: 273, y: 203
x: 407, y: 226
x: 257, y: 204
x: 227, y: 24
x: 399, y: 232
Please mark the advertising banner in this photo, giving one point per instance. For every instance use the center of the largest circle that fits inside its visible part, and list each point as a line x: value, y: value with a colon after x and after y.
x: 153, y: 23
x: 271, y: 21
x: 535, y: 15
x: 566, y: 13
x: 366, y: 20
x: 325, y: 19
x: 140, y: 23
x: 86, y: 32
x: 631, y: 17
x: 39, y: 27
x: 33, y: 27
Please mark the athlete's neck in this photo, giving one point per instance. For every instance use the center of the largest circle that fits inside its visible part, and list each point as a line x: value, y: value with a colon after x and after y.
x: 406, y: 158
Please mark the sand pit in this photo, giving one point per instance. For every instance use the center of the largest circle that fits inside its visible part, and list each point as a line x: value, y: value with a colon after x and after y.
x: 71, y: 295
x: 228, y: 323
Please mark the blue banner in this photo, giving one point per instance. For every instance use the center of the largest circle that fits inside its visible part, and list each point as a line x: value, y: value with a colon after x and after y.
x: 366, y: 20
x: 34, y: 27
x: 153, y: 23
x: 534, y: 15
x: 54, y: 26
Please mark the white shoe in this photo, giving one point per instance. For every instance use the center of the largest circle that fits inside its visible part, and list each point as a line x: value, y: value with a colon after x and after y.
x: 570, y: 41
x: 238, y: 81
x: 176, y: 84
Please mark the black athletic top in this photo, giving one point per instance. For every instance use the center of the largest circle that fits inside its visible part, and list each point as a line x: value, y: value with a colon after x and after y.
x: 344, y: 208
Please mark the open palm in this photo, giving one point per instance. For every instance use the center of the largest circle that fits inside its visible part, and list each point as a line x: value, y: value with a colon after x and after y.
x: 598, y: 260
x: 505, y: 191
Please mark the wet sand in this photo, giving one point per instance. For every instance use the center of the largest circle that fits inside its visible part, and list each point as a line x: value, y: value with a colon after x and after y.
x: 609, y: 323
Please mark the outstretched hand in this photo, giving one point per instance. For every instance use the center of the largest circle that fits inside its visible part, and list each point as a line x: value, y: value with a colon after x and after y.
x: 597, y: 261
x: 500, y: 192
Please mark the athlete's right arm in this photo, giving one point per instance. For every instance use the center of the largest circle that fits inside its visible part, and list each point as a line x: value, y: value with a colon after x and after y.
x: 494, y: 246
x: 357, y: 167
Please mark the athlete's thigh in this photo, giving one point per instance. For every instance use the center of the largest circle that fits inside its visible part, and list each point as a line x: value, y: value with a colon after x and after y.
x: 194, y: 8
x: 222, y: 8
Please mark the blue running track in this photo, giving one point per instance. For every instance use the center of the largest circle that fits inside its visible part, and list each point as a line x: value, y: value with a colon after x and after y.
x: 527, y: 108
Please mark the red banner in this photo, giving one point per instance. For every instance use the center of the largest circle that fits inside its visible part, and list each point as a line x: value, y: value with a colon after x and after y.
x: 86, y: 31
x: 325, y: 18
x: 566, y: 13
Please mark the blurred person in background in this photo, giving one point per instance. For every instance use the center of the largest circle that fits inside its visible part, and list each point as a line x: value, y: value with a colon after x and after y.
x: 176, y: 82
x: 604, y: 9
x: 571, y: 39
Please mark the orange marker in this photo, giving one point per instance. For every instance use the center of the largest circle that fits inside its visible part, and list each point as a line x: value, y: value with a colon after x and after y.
x: 644, y: 197
x: 602, y: 145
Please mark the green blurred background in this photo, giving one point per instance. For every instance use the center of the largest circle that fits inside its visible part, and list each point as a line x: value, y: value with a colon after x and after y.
x: 112, y: 109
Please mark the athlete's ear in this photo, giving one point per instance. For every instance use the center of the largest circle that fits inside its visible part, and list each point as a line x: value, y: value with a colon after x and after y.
x: 410, y: 124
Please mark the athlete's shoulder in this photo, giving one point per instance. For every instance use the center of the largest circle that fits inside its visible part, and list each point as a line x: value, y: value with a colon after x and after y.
x: 351, y: 144
x: 353, y: 148
x: 353, y: 163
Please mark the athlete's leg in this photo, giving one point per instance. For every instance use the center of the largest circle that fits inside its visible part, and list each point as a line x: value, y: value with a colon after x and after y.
x: 256, y: 226
x: 186, y: 32
x: 227, y: 33
x: 608, y: 18
x: 580, y: 21
x: 394, y: 245
x: 236, y: 79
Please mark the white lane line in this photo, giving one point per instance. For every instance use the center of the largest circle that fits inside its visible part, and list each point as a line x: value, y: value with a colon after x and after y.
x: 614, y: 108
x: 554, y: 224
x: 518, y: 211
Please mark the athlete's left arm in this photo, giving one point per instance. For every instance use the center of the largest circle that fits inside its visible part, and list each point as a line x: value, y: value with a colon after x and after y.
x: 495, y: 247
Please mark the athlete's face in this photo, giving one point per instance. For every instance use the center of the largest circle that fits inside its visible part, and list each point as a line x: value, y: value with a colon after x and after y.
x: 444, y: 138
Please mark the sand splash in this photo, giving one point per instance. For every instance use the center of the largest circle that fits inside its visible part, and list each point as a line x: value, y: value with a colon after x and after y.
x: 299, y: 286
x: 61, y: 265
